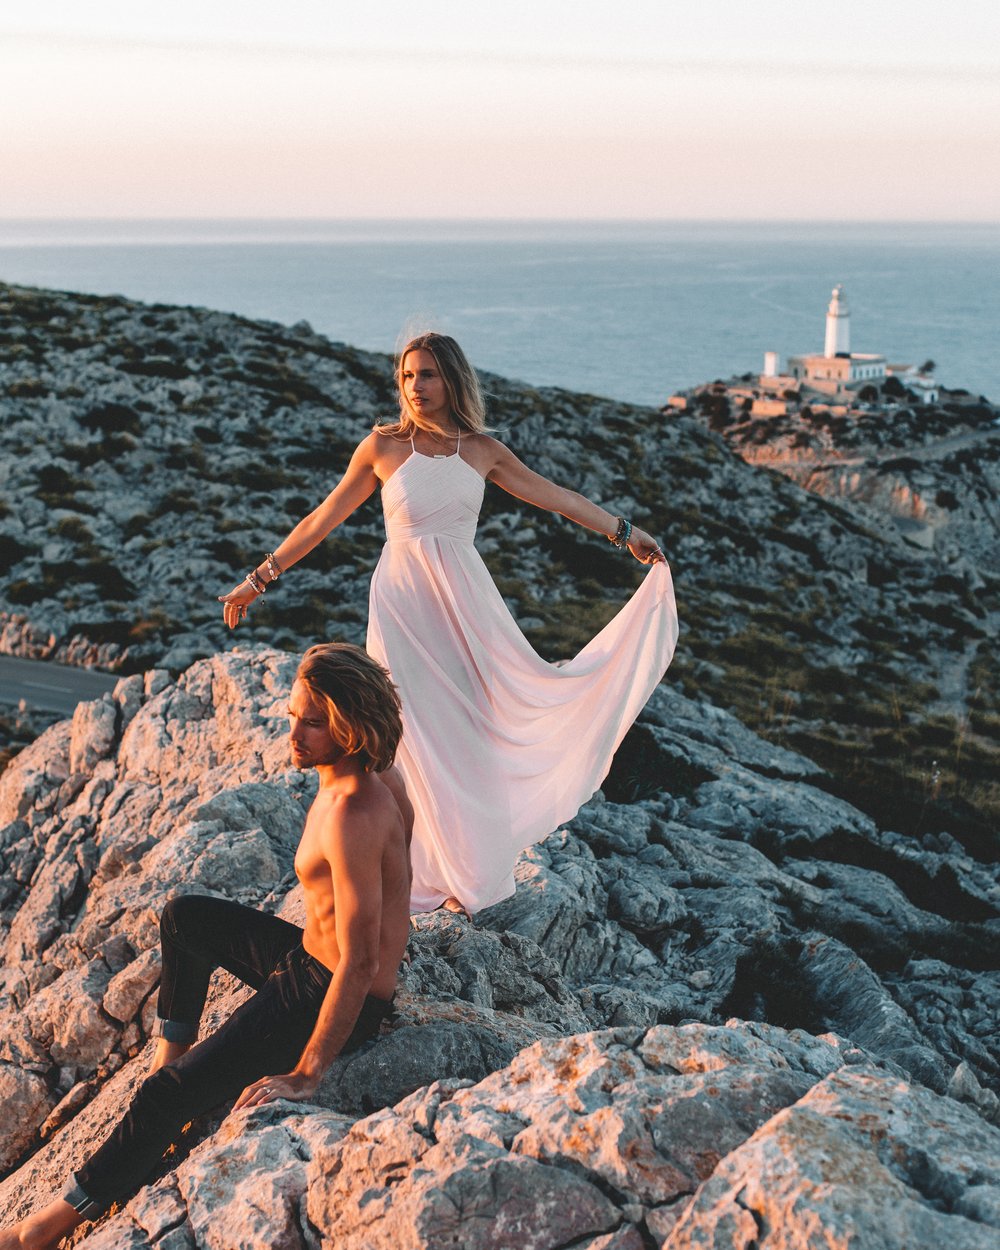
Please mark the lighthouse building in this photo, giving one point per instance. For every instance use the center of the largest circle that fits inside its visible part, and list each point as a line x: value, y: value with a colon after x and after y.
x: 838, y: 368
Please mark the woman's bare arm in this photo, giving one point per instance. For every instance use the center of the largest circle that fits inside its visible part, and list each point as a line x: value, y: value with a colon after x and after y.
x: 513, y: 476
x: 357, y: 484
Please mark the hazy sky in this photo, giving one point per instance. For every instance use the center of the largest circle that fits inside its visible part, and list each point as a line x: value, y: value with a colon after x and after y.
x: 861, y: 109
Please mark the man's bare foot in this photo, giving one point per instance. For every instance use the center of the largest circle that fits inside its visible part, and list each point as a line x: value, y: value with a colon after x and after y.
x: 452, y: 904
x: 166, y: 1052
x: 44, y: 1230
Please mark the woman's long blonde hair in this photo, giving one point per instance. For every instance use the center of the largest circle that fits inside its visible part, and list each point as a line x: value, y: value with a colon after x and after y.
x: 465, y: 396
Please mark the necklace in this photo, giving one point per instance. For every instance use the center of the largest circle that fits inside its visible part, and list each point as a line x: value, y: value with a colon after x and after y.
x: 439, y: 436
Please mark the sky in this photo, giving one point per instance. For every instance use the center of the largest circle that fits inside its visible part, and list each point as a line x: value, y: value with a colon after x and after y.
x: 634, y: 109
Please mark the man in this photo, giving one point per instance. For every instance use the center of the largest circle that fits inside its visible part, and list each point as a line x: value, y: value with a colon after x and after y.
x: 321, y: 991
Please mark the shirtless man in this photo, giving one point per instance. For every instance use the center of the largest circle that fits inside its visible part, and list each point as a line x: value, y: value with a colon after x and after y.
x: 321, y: 991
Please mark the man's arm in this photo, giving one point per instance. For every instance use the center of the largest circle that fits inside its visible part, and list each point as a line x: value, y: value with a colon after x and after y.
x: 355, y: 860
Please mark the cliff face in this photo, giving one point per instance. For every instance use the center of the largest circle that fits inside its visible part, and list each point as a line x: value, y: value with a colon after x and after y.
x: 929, y: 473
x: 732, y: 1012
x: 149, y: 454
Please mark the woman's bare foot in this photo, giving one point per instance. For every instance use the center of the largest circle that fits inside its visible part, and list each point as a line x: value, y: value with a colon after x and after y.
x: 452, y: 904
x: 166, y: 1052
x: 44, y: 1230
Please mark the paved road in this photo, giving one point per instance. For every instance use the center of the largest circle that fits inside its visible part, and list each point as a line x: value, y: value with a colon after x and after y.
x: 50, y: 687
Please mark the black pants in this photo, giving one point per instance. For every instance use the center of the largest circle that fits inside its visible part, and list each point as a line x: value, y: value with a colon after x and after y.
x: 263, y: 1037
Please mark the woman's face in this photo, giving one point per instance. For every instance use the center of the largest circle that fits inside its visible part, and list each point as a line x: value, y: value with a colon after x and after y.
x: 424, y: 389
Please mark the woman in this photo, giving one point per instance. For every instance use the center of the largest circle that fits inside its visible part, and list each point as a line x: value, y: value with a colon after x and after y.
x: 499, y: 747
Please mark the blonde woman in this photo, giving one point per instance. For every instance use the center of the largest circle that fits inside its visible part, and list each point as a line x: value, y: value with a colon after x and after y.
x: 499, y: 747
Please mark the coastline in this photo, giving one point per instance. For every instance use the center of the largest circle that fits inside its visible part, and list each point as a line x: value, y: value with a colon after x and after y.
x: 624, y: 310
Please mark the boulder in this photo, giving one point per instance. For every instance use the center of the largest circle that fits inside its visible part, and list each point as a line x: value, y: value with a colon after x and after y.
x: 860, y: 1159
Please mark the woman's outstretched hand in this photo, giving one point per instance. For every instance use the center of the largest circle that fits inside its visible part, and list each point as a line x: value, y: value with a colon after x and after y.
x: 645, y: 547
x: 235, y: 604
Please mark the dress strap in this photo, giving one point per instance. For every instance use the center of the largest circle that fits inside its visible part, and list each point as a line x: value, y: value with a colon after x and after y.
x: 413, y: 446
x: 458, y: 449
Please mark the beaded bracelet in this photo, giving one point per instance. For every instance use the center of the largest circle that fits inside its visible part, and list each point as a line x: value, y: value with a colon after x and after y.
x: 273, y: 567
x: 255, y: 582
x: 622, y: 535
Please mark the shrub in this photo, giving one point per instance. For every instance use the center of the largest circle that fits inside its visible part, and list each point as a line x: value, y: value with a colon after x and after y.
x: 73, y: 528
x: 112, y: 418
x: 136, y: 524
x: 232, y: 554
x: 186, y: 457
x: 156, y: 367
x: 13, y: 551
x: 24, y: 592
x: 84, y: 454
x: 177, y: 500
x: 55, y: 479
x: 28, y: 388
x: 98, y: 571
x: 147, y: 627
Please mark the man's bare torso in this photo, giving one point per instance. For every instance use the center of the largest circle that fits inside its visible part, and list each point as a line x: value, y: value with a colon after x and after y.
x: 380, y: 806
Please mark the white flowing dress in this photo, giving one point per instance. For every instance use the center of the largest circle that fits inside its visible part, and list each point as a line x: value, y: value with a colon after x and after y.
x: 499, y: 747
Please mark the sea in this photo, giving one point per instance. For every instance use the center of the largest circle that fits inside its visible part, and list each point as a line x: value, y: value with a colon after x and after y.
x: 630, y: 310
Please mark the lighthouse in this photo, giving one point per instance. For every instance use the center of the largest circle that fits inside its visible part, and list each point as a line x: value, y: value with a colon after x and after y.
x: 838, y: 325
x: 838, y: 370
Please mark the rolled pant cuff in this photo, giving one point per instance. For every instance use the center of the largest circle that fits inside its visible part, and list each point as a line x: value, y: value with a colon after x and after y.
x: 81, y: 1202
x: 175, y: 1031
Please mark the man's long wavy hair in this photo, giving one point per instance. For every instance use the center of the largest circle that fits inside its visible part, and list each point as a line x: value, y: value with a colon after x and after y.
x: 465, y: 396
x: 361, y: 703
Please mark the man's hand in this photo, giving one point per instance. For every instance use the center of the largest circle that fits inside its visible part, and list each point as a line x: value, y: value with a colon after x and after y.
x: 292, y: 1085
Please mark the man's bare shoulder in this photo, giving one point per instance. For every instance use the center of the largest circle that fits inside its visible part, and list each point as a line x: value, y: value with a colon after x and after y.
x: 393, y: 781
x: 372, y: 810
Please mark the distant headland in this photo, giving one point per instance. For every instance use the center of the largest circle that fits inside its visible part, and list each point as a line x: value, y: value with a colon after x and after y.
x: 887, y: 438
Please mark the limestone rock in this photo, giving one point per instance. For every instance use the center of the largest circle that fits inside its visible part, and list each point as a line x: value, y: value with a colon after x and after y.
x: 127, y: 990
x: 26, y: 1100
x: 36, y: 771
x: 66, y: 1017
x: 691, y: 1136
x: 92, y: 733
x: 860, y: 1159
x: 561, y: 1070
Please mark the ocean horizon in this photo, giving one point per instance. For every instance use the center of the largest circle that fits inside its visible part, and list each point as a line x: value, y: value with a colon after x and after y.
x: 628, y: 309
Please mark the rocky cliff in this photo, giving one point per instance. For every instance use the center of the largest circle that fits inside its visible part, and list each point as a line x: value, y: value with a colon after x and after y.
x: 929, y: 473
x: 149, y: 454
x: 733, y: 1012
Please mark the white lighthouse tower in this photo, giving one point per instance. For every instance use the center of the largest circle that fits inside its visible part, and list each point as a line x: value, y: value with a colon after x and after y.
x: 838, y: 325
x: 838, y: 370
